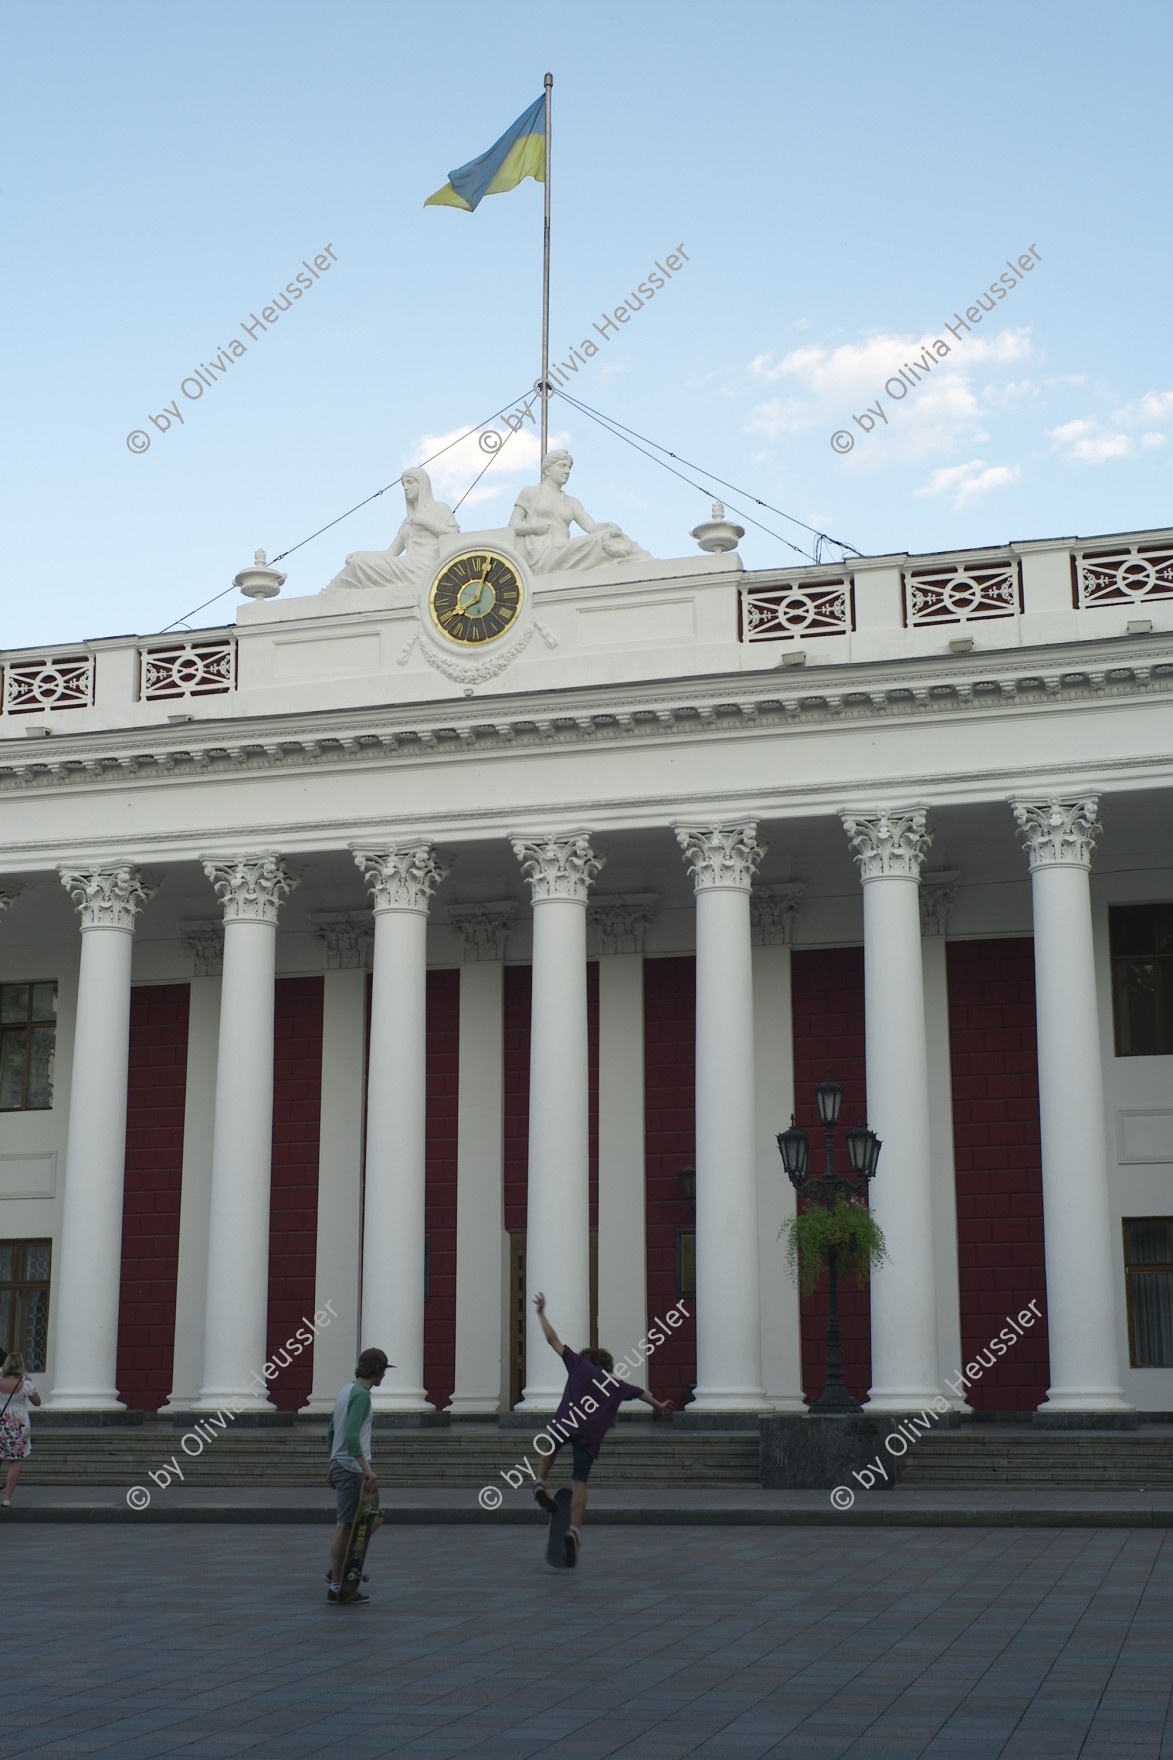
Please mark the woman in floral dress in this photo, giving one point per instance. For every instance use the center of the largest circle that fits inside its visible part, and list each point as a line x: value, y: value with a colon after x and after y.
x: 16, y: 1395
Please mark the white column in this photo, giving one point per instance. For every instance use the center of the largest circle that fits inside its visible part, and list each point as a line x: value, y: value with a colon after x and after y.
x: 772, y: 911
x: 560, y: 869
x: 337, y: 1265
x: 251, y: 889
x: 205, y: 941
x: 620, y: 923
x: 89, y: 1262
x: 722, y: 860
x: 1082, y: 1243
x: 937, y: 892
x: 480, y: 1158
x: 890, y: 847
x: 401, y: 882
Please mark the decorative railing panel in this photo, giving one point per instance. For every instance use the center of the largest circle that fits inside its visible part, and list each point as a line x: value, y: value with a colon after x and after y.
x: 786, y: 612
x: 1126, y: 576
x: 201, y: 669
x: 960, y: 593
x: 60, y: 681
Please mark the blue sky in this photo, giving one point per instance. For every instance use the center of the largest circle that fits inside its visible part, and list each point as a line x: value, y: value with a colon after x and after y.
x: 844, y: 178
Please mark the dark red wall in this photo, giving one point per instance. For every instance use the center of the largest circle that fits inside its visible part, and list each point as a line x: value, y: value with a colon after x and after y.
x: 518, y: 995
x: 293, y: 1213
x: 669, y: 1145
x: 827, y: 1004
x: 443, y: 1063
x: 156, y: 1093
x: 999, y: 1166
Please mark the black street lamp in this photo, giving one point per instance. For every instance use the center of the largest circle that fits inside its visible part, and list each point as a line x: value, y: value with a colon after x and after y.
x: 863, y: 1152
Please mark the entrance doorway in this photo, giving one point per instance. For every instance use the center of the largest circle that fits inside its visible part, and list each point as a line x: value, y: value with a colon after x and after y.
x: 517, y: 1314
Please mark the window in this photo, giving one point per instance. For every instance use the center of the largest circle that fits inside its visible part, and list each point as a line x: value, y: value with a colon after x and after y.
x: 1148, y: 1277
x: 1141, y: 937
x: 24, y: 1300
x: 28, y: 1032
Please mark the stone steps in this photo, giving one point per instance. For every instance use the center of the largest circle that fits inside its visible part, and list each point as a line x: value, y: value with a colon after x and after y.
x: 1106, y: 1460
x: 296, y: 1457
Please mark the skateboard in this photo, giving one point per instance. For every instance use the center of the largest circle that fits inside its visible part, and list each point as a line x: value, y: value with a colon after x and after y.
x: 556, y: 1539
x: 356, y: 1546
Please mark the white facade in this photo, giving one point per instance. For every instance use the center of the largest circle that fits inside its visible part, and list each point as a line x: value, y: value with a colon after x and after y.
x: 659, y: 758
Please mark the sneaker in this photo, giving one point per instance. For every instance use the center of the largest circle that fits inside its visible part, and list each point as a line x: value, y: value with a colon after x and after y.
x: 544, y: 1501
x: 572, y: 1545
x: 333, y: 1595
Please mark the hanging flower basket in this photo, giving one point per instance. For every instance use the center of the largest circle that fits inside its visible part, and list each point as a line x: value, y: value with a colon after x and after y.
x: 848, y: 1229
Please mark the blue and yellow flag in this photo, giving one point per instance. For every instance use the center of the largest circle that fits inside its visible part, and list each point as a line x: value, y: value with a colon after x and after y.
x: 521, y: 152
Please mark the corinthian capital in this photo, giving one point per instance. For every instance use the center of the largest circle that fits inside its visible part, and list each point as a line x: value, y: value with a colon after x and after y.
x: 402, y: 878
x: 347, y: 939
x: 251, y: 889
x: 772, y: 911
x: 106, y: 898
x: 888, y: 844
x: 483, y: 928
x: 558, y: 866
x: 1059, y: 833
x: 937, y: 893
x: 723, y: 857
x: 620, y: 921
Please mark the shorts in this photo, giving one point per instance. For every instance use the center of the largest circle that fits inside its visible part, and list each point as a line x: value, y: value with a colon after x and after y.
x: 580, y: 1461
x: 348, y: 1484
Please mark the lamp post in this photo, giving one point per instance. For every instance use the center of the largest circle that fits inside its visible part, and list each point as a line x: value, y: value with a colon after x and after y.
x: 863, y: 1152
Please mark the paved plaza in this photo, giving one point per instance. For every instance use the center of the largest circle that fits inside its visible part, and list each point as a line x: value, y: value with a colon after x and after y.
x: 806, y: 1642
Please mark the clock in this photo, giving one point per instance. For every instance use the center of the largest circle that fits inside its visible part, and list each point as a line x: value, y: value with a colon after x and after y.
x: 476, y: 598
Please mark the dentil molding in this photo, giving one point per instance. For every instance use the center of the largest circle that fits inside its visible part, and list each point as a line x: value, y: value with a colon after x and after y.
x: 251, y: 888
x: 403, y: 878
x: 106, y: 898
x: 560, y: 865
x: 890, y: 843
x: 1059, y: 832
x: 722, y: 857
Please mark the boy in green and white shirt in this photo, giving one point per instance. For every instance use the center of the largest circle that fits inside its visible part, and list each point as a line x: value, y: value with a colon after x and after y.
x: 349, y: 1442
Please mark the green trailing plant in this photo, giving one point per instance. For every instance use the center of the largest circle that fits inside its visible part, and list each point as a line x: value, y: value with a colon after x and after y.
x: 848, y: 1229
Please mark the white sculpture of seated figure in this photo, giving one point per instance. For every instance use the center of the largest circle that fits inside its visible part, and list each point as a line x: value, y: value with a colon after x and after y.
x: 411, y: 558
x: 544, y: 515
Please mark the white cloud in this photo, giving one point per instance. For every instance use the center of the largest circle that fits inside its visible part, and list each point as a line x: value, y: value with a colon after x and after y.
x: 460, y: 463
x: 1088, y: 441
x: 940, y: 413
x: 966, y: 482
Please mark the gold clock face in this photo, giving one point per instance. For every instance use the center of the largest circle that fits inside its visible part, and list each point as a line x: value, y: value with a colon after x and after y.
x: 476, y: 598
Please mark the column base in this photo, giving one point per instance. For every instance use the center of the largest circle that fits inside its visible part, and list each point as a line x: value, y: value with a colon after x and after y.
x: 474, y: 1405
x: 97, y: 1399
x: 318, y: 1405
x: 230, y: 1400
x: 406, y: 1403
x: 898, y: 1402
x: 1092, y: 1399
x: 786, y: 1404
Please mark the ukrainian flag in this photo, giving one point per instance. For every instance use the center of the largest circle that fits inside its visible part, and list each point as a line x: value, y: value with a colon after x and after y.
x: 521, y: 152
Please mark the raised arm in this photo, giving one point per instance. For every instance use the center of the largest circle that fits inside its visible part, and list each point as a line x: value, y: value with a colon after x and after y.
x: 663, y: 1406
x: 552, y: 1339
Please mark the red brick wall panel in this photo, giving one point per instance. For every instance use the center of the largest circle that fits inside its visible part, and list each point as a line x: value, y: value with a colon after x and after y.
x: 669, y: 1145
x: 443, y: 1074
x: 828, y: 1017
x: 156, y: 1093
x: 999, y: 1164
x: 293, y: 1202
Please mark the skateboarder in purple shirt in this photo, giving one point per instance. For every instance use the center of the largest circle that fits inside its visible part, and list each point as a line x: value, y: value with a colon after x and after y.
x: 588, y: 1378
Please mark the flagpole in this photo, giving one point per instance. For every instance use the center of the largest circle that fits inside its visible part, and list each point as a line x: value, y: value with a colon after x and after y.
x: 546, y: 284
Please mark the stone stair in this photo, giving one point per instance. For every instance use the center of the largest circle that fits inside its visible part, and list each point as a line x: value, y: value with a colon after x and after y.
x: 295, y: 1457
x: 976, y: 1455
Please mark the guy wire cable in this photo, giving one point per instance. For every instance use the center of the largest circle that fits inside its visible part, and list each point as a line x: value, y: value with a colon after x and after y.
x: 618, y: 428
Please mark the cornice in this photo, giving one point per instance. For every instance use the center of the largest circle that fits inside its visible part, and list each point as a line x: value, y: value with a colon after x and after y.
x: 729, y: 705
